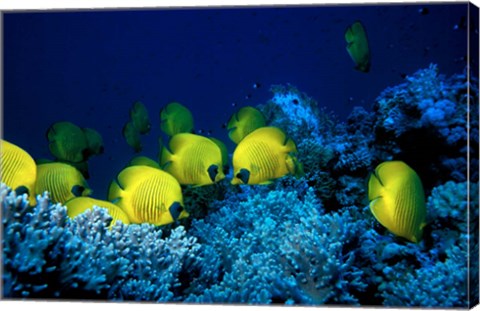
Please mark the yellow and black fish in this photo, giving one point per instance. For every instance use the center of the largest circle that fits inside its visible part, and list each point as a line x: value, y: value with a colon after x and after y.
x: 143, y: 160
x: 82, y: 167
x: 243, y: 122
x: 148, y: 195
x: 67, y: 141
x: 263, y: 155
x: 176, y: 118
x: 139, y: 117
x: 62, y: 181
x: 193, y: 160
x: 18, y: 170
x: 78, y: 205
x: 397, y: 199
x: 132, y: 136
x: 94, y: 141
x: 357, y: 46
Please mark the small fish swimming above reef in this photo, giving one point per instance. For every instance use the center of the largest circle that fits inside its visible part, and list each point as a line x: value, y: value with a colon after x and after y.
x: 397, y: 199
x: 148, y: 195
x: 357, y: 46
x: 62, y: 181
x: 67, y: 142
x: 139, y: 117
x: 78, y: 205
x: 264, y: 155
x: 18, y: 170
x: 176, y: 118
x: 243, y: 122
x: 132, y: 136
x: 193, y: 160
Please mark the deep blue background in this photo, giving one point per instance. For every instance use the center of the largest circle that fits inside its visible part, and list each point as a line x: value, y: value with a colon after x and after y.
x: 88, y: 67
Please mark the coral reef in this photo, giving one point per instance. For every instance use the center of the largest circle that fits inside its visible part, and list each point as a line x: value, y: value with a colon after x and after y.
x: 305, y: 241
x: 48, y: 255
x: 279, y: 248
x: 424, y: 120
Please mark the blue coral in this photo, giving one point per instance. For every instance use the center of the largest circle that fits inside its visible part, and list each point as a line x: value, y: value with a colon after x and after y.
x: 279, y: 247
x: 45, y: 255
x: 48, y: 255
x: 427, y: 116
x: 298, y: 114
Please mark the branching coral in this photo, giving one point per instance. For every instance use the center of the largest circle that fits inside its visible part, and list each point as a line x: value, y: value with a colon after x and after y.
x: 424, y: 120
x: 48, y: 255
x: 298, y: 114
x: 279, y: 248
x: 290, y: 109
x: 156, y: 266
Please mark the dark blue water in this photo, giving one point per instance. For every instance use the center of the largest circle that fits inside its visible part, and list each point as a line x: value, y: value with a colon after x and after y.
x: 89, y: 67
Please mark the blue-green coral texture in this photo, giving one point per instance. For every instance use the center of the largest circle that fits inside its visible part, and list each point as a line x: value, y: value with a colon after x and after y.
x: 306, y: 241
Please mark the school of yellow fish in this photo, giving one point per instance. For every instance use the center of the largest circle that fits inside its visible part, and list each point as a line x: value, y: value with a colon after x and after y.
x: 149, y: 191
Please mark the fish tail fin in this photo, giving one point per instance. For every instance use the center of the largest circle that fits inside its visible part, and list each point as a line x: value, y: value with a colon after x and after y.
x: 294, y: 166
x: 165, y: 156
x: 115, y: 191
x: 290, y: 145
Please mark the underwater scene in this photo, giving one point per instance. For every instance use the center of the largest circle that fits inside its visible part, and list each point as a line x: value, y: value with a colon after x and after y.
x: 259, y: 155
